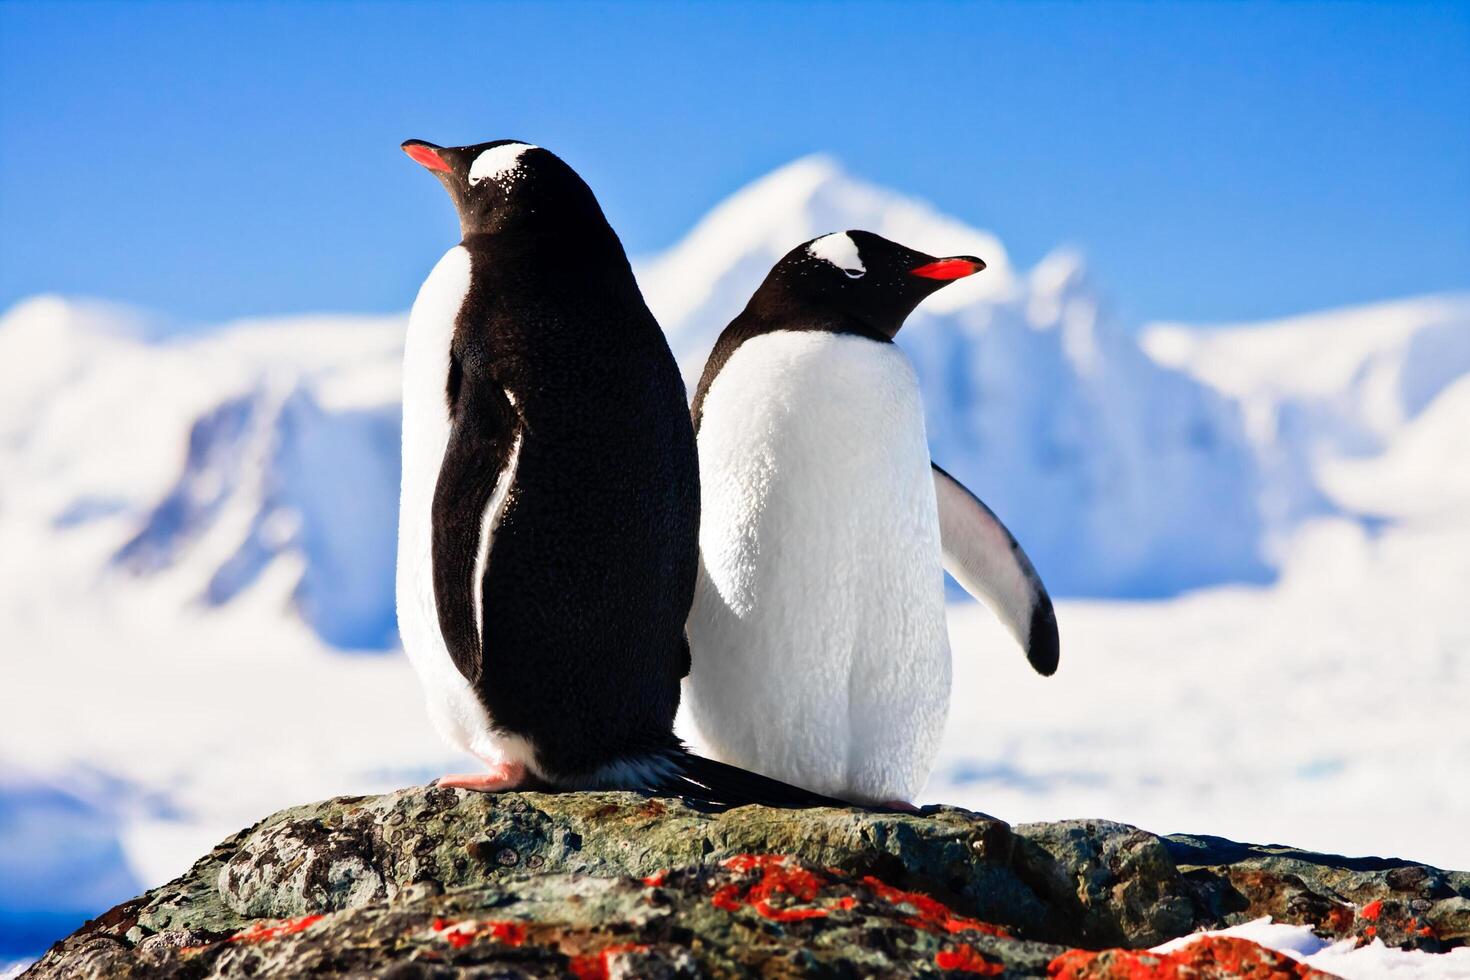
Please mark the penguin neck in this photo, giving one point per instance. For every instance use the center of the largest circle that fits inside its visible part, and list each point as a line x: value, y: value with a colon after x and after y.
x: 548, y: 253
x: 491, y: 227
x: 572, y: 214
x: 776, y: 307
x: 579, y: 240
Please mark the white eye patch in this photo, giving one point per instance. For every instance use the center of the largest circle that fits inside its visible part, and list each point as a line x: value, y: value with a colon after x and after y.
x: 840, y: 250
x: 499, y: 163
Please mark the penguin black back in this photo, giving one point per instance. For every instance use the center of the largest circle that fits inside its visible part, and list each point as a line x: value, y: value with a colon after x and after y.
x: 561, y: 392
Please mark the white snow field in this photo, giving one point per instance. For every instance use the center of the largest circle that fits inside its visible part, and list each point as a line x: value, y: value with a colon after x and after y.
x: 1261, y: 535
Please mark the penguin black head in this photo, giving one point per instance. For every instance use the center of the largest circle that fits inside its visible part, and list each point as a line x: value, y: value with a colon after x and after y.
x: 500, y: 185
x: 863, y: 276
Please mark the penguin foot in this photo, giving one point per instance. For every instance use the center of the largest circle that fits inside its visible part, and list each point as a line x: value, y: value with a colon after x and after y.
x: 903, y: 806
x: 506, y: 776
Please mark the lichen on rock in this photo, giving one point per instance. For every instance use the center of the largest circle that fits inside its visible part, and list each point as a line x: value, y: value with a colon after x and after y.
x: 431, y: 882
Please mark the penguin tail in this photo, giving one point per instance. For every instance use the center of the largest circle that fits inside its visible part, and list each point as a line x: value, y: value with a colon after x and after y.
x: 697, y: 777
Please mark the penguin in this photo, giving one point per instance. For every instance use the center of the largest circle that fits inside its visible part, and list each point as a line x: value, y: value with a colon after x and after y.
x: 820, y: 654
x: 549, y: 506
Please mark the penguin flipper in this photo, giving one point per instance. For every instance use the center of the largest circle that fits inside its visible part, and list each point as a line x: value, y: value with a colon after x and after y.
x: 987, y: 561
x: 482, y: 443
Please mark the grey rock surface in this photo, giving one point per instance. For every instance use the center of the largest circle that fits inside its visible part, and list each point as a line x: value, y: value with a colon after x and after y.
x: 430, y: 882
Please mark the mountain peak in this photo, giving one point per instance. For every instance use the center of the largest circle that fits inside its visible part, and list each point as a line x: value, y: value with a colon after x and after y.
x: 53, y: 314
x: 1063, y: 270
x: 700, y: 283
x: 790, y: 183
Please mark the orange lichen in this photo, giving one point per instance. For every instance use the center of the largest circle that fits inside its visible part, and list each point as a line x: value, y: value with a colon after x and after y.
x: 461, y: 934
x: 274, y: 929
x: 595, y: 966
x: 585, y: 966
x: 1207, y: 958
x: 966, y: 959
x: 933, y: 916
x: 657, y: 878
x: 1372, y: 910
x: 780, y: 875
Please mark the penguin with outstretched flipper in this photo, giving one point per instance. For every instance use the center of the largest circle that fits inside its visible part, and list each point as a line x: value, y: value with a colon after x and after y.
x: 549, y: 515
x: 818, y: 632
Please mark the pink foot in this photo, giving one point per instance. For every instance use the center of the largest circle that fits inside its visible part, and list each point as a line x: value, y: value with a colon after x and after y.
x: 902, y: 805
x: 506, y: 776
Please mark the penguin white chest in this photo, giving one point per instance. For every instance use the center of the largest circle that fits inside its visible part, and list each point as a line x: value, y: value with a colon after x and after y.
x: 454, y: 708
x: 818, y: 634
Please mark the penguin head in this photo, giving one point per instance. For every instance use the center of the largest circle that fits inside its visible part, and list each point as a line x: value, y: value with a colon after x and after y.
x: 866, y: 277
x: 505, y: 184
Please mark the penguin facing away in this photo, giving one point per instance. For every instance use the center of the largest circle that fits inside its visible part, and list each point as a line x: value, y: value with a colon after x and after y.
x: 818, y: 633
x: 550, y: 499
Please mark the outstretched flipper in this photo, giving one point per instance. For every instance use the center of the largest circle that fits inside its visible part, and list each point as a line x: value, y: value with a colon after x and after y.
x: 985, y: 558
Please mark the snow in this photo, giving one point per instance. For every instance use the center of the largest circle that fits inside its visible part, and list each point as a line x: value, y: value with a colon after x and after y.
x: 1328, y: 388
x: 1425, y: 471
x: 1381, y: 362
x: 197, y: 536
x: 1325, y: 711
x: 1342, y: 959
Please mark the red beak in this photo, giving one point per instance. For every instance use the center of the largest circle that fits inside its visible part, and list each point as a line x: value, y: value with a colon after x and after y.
x: 426, y: 155
x: 948, y: 269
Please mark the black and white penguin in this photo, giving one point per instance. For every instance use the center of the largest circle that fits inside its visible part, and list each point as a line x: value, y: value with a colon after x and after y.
x: 818, y: 631
x: 550, y: 498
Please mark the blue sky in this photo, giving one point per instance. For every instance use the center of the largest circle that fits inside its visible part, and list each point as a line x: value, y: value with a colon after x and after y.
x: 1215, y: 161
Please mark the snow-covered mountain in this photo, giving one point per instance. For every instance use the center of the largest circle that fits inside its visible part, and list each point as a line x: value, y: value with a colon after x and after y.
x: 194, y: 462
x: 1351, y: 409
x: 1129, y: 463
x: 1119, y: 476
x: 197, y: 532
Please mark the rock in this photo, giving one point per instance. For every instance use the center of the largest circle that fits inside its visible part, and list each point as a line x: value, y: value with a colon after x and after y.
x: 430, y: 882
x: 1412, y: 906
x: 1115, y: 882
